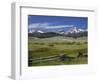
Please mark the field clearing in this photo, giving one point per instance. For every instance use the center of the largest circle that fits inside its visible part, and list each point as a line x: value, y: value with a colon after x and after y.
x: 55, y: 46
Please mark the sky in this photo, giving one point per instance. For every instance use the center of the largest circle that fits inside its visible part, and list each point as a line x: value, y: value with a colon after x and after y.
x: 54, y: 23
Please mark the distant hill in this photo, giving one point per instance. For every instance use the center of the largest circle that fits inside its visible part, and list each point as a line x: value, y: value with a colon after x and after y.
x: 43, y: 35
x: 53, y: 34
x: 76, y: 35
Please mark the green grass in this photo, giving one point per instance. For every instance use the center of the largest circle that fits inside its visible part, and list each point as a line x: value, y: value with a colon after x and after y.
x: 58, y: 45
x: 81, y: 60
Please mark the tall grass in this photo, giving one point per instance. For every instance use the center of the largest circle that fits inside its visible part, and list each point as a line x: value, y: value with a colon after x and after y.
x: 56, y: 46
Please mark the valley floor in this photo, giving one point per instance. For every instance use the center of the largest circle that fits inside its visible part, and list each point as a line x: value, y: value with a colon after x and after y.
x: 45, y: 47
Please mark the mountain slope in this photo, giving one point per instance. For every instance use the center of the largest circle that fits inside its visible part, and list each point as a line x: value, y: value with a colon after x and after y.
x: 43, y: 35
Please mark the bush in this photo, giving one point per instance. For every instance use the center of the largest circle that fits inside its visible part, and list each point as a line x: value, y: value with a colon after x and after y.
x: 51, y: 45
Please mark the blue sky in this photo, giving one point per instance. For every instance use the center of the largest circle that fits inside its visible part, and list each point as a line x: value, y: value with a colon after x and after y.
x: 51, y: 23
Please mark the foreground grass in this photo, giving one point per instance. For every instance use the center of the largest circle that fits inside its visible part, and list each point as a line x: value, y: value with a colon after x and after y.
x: 58, y: 45
x: 82, y: 60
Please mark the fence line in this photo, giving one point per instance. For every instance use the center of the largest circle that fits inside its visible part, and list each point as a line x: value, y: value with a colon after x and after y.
x: 43, y: 59
x: 61, y: 57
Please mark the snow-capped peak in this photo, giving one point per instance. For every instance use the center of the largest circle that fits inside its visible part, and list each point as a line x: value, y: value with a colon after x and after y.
x: 31, y: 31
x: 74, y: 30
x: 40, y: 31
x: 81, y: 30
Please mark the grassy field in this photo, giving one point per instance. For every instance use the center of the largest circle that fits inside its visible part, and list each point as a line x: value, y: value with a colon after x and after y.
x: 55, y: 46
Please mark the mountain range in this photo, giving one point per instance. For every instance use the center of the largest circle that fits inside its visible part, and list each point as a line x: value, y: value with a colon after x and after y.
x: 71, y: 32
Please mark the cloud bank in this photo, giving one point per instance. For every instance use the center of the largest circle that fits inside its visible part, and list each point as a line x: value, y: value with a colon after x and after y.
x: 46, y: 26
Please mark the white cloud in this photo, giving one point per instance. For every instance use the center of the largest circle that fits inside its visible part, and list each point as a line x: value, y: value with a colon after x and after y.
x: 59, y: 26
x: 47, y: 26
x: 38, y: 25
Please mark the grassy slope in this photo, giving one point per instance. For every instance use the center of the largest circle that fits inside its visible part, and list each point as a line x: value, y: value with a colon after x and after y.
x: 58, y: 45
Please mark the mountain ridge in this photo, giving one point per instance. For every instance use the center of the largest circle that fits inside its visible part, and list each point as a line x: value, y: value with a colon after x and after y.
x: 72, y: 32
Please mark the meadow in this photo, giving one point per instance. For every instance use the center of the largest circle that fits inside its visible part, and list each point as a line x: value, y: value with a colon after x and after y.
x: 44, y: 47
